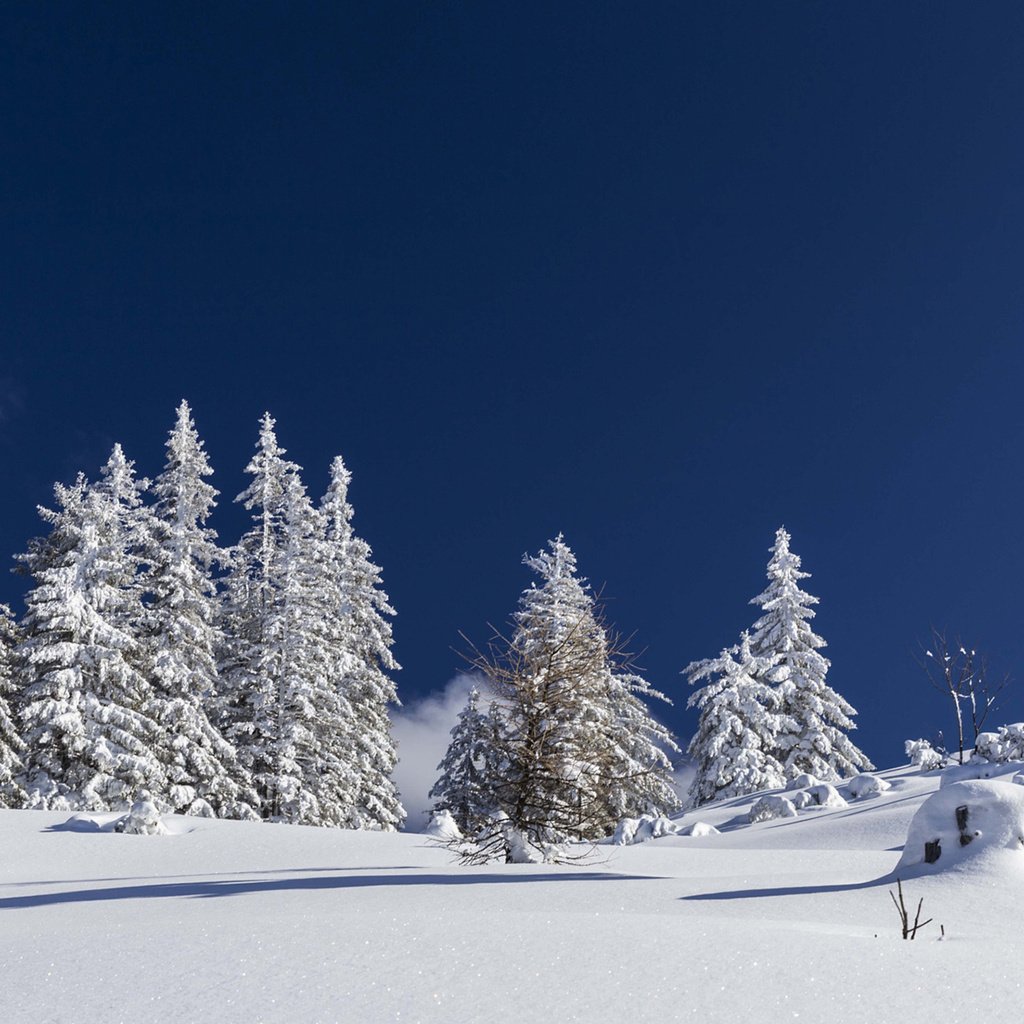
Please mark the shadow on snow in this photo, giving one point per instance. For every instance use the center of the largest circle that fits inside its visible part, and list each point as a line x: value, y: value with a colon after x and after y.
x: 211, y: 888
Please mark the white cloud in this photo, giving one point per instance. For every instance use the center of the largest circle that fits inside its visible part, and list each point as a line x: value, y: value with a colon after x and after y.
x: 422, y: 729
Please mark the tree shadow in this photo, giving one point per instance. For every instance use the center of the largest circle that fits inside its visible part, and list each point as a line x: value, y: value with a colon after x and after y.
x: 209, y: 888
x: 212, y: 874
x: 793, y: 890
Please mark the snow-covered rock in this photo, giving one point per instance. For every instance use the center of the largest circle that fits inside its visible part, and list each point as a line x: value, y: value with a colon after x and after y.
x: 700, y: 828
x: 962, y: 823
x: 802, y: 781
x: 826, y: 795
x: 866, y: 785
x: 769, y: 807
x: 143, y: 819
x: 802, y: 799
x: 640, y: 830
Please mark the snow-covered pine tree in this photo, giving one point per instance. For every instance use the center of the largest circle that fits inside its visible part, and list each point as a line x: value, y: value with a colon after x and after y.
x: 313, y: 746
x: 577, y: 747
x: 362, y: 642
x: 12, y: 748
x: 816, y: 741
x: 284, y: 705
x: 469, y: 769
x: 90, y: 743
x: 180, y: 636
x: 250, y: 663
x: 734, y: 747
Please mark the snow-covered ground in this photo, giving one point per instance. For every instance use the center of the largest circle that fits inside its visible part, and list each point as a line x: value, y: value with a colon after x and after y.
x: 785, y: 920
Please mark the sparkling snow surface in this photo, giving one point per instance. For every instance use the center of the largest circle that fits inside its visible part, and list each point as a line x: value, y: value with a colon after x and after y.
x: 786, y: 920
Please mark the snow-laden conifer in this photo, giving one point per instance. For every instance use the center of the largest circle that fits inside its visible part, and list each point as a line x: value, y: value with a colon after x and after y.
x: 12, y: 794
x: 249, y: 709
x: 180, y: 636
x: 470, y: 768
x: 741, y: 718
x: 90, y: 742
x: 363, y: 659
x: 816, y: 741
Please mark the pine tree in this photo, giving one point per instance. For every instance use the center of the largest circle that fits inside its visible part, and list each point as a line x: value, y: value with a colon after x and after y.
x: 11, y: 746
x: 577, y: 747
x: 469, y: 769
x: 180, y: 637
x: 90, y: 743
x: 816, y: 741
x: 362, y: 642
x: 741, y: 717
x: 251, y: 661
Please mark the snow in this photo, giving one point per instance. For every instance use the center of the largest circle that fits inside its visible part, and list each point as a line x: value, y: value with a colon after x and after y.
x: 233, y: 921
x: 971, y: 823
x: 866, y: 785
x: 769, y: 807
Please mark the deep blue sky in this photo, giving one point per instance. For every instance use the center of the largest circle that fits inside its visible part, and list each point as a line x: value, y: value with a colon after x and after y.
x: 662, y: 277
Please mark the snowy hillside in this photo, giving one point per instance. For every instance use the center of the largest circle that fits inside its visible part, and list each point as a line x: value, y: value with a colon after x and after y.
x: 782, y: 920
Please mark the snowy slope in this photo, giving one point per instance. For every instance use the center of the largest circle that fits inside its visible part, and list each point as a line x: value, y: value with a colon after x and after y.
x: 784, y: 920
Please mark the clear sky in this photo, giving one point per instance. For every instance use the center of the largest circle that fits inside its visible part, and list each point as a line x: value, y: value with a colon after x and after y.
x: 660, y: 276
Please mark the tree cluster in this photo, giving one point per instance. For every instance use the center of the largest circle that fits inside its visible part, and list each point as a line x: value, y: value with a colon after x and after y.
x: 767, y: 714
x: 249, y: 681
x: 565, y: 746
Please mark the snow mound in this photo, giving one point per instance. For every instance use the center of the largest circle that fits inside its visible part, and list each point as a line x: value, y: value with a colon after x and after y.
x: 646, y: 827
x: 700, y: 828
x: 142, y: 820
x: 804, y: 781
x: 802, y: 800
x: 1006, y: 744
x: 963, y: 821
x: 923, y: 755
x: 769, y: 807
x: 826, y: 795
x: 866, y: 785
x: 442, y: 826
x: 968, y: 772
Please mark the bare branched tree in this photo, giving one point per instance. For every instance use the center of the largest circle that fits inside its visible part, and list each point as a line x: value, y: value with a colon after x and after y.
x: 961, y: 673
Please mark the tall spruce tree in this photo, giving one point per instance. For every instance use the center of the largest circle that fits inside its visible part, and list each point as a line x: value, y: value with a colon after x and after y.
x: 12, y: 794
x: 250, y: 664
x: 90, y: 741
x: 180, y: 636
x: 816, y: 740
x: 741, y: 718
x: 362, y: 644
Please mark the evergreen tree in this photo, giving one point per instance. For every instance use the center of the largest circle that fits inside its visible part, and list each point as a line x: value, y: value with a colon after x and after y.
x: 469, y: 768
x: 291, y: 666
x: 741, y: 717
x: 362, y: 643
x: 251, y: 662
x: 180, y: 636
x: 816, y: 740
x: 577, y: 747
x: 11, y: 746
x: 90, y: 742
